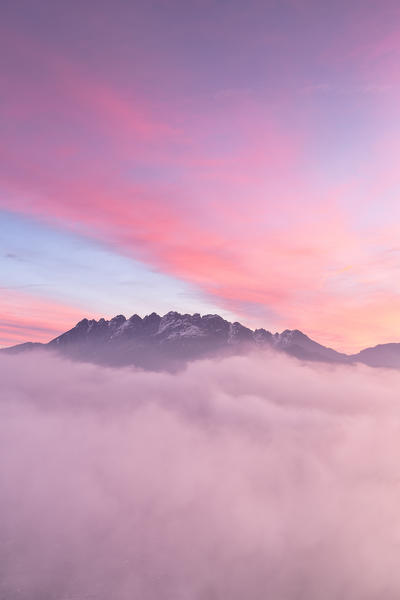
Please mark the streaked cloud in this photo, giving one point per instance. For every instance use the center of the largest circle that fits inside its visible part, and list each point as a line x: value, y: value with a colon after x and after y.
x: 186, y: 148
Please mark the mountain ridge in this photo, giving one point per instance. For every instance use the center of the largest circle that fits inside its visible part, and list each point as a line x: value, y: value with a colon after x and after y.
x: 157, y: 342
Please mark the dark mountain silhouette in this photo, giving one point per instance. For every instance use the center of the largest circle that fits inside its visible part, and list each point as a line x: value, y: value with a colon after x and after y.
x: 169, y: 342
x: 383, y: 355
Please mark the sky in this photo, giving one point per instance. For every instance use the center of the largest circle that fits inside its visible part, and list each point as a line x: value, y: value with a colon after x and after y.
x: 201, y: 156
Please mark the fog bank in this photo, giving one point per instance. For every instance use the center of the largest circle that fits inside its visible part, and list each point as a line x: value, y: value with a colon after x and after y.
x: 246, y: 478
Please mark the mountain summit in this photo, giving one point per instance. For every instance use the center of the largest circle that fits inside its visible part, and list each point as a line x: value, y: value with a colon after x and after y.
x: 168, y: 342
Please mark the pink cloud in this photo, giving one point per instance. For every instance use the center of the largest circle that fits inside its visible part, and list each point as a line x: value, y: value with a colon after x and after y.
x: 27, y: 317
x: 279, y: 253
x: 232, y: 204
x: 235, y: 477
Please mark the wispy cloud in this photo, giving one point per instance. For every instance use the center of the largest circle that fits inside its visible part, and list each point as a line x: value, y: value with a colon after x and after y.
x: 256, y: 176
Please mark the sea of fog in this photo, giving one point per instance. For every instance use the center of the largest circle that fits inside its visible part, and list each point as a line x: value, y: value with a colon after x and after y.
x: 248, y: 478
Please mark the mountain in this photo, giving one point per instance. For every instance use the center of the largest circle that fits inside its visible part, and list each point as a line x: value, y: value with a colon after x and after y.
x: 23, y: 347
x: 383, y: 355
x: 170, y: 341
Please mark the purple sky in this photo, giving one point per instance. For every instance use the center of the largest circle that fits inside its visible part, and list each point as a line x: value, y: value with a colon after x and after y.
x: 227, y: 157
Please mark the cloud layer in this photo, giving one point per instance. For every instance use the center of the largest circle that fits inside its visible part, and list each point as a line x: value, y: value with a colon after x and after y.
x: 251, y: 477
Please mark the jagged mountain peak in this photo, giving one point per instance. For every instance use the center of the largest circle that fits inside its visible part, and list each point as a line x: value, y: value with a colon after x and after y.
x: 118, y: 319
x: 156, y: 342
x: 176, y: 337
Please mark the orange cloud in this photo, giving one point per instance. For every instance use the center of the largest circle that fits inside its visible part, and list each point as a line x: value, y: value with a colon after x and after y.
x: 27, y: 317
x: 232, y: 204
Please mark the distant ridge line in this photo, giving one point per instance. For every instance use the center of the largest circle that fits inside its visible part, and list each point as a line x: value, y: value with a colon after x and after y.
x: 155, y: 342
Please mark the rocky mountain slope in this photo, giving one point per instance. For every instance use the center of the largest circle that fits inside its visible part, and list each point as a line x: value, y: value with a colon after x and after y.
x: 170, y: 341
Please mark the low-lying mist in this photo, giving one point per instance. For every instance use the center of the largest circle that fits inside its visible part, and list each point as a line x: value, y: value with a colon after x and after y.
x: 249, y: 478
